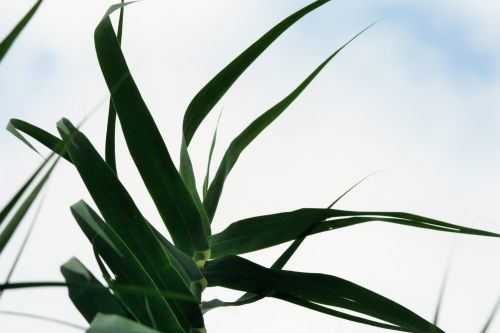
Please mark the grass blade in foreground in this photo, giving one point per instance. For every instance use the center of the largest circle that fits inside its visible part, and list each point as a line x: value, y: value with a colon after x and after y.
x: 147, y: 148
x: 206, y: 180
x: 127, y: 269
x: 240, y: 274
x: 11, y: 37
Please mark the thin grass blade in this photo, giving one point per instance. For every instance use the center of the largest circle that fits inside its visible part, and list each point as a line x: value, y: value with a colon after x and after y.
x: 23, y: 244
x: 18, y: 216
x: 110, y: 150
x: 211, y: 152
x: 147, y: 148
x: 15, y: 199
x: 487, y: 325
x: 43, y: 318
x: 127, y: 269
x: 11, y: 37
x: 213, y: 91
x: 261, y: 232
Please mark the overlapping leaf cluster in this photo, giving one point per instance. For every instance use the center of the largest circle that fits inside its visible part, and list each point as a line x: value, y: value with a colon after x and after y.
x: 153, y: 285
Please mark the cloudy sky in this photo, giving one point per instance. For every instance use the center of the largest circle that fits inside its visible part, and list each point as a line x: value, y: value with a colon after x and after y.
x: 416, y: 96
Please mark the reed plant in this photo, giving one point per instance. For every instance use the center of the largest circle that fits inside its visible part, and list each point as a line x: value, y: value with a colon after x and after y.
x: 154, y: 285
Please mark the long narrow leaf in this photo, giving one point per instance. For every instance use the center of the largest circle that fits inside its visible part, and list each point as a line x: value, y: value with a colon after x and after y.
x: 44, y: 318
x: 18, y: 216
x: 239, y: 144
x: 213, y: 91
x: 240, y: 274
x: 127, y: 269
x: 260, y: 232
x: 56, y: 145
x: 110, y: 153
x: 487, y: 325
x: 122, y: 214
x: 146, y: 146
x: 11, y: 37
x: 15, y: 199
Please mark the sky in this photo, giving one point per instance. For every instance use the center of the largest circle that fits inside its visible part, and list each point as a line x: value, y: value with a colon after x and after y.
x: 416, y: 96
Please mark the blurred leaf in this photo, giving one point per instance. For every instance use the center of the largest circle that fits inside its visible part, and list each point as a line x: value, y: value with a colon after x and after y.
x: 44, y: 318
x: 261, y: 232
x: 147, y: 148
x: 90, y: 302
x: 104, y: 323
x: 248, y: 298
x: 23, y: 244
x: 240, y: 274
x: 213, y: 91
x: 11, y: 37
x: 239, y: 144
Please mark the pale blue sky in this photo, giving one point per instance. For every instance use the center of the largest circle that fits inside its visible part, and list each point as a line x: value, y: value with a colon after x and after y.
x: 417, y: 95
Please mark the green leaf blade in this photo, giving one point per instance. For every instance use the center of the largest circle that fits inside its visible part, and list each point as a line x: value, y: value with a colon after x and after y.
x: 146, y: 146
x: 89, y: 302
x: 241, y: 274
x: 104, y: 323
x: 251, y: 132
x: 6, y: 44
x: 213, y: 91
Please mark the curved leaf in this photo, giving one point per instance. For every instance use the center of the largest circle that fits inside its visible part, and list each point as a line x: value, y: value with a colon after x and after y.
x: 146, y: 146
x: 90, y: 303
x: 240, y: 274
x: 239, y: 144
